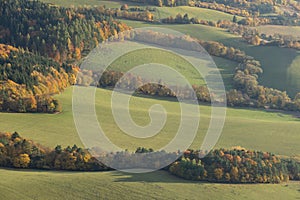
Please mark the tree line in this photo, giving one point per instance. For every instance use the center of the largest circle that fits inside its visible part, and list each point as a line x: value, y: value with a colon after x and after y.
x: 18, y: 152
x: 249, y: 34
x: 236, y: 165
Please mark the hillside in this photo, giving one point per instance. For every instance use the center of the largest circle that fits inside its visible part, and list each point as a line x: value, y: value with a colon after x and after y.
x: 201, y: 13
x: 43, y: 42
x: 115, y: 185
x: 277, y: 63
x: 241, y: 126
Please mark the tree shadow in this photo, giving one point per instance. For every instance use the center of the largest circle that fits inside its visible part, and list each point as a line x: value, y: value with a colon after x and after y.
x: 150, y: 177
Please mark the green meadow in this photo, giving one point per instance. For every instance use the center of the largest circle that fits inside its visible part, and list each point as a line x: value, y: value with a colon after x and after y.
x: 117, y: 185
x: 281, y: 65
x: 200, y: 13
x: 252, y: 129
x: 284, y: 30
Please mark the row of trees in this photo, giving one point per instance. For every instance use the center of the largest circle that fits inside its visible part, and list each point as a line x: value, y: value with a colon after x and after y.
x: 130, y: 13
x: 235, y: 166
x: 248, y: 91
x: 18, y: 152
x: 222, y: 165
x: 251, y: 35
x: 115, y: 79
x: 279, y: 40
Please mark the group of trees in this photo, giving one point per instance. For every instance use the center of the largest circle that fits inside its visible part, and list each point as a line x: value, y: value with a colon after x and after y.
x: 115, y: 79
x: 61, y: 33
x: 18, y: 152
x: 247, y: 90
x: 242, y: 27
x: 139, y: 14
x: 27, y: 81
x: 235, y: 166
x: 279, y: 40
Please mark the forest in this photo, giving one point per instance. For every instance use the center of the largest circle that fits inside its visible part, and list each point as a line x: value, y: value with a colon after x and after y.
x: 45, y: 42
x: 27, y: 81
x: 60, y: 33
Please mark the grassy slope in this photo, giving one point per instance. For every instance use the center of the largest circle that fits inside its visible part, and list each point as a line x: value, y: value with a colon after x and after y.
x: 163, y: 12
x: 284, y: 30
x: 107, y: 3
x: 115, y: 185
x: 146, y: 56
x: 201, y: 13
x: 149, y: 55
x: 252, y: 129
x: 278, y: 63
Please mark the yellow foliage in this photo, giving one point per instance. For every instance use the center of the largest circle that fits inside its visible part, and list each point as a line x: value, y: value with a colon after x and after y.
x: 22, y: 161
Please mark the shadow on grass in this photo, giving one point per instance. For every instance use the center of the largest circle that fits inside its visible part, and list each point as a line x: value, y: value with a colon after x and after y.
x: 151, y: 177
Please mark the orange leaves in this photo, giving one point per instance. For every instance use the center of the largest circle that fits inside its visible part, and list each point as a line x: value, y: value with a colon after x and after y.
x: 77, y: 53
x: 22, y: 161
x: 5, y: 50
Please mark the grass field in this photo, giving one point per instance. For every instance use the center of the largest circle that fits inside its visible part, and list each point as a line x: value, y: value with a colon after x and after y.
x: 200, y: 13
x: 162, y: 12
x: 116, y: 185
x: 163, y: 57
x: 150, y: 55
x: 107, y: 3
x: 283, y: 30
x: 278, y: 63
x: 251, y: 129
